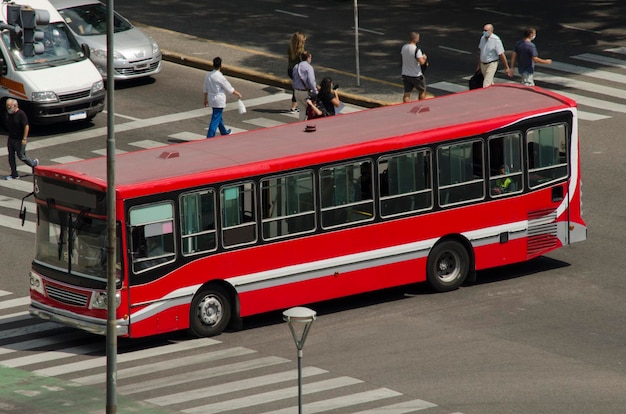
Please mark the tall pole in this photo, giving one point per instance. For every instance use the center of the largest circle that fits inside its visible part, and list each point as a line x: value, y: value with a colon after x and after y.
x: 111, y: 407
x: 356, y: 41
x: 299, y: 380
x: 304, y: 316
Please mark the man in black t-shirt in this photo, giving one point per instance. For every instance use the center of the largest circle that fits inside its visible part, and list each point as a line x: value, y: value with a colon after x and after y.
x: 18, y: 135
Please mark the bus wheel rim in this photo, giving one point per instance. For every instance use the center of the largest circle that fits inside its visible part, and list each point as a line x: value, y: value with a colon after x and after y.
x: 210, y: 310
x: 448, y: 268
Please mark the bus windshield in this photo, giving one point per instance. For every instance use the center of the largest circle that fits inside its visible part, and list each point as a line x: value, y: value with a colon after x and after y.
x: 73, y: 242
x: 60, y: 48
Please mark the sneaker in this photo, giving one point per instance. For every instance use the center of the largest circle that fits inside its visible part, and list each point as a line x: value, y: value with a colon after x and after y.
x: 228, y: 131
x: 294, y: 110
x: 35, y: 162
x: 12, y: 177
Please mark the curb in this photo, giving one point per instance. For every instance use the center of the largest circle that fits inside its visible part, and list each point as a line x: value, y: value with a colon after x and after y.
x: 260, y: 77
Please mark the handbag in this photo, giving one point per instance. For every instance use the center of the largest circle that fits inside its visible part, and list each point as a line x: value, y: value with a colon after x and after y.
x: 476, y: 81
x: 426, y: 64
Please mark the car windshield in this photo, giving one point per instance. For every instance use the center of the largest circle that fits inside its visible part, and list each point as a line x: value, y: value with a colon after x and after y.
x: 59, y: 48
x: 73, y: 243
x: 90, y: 20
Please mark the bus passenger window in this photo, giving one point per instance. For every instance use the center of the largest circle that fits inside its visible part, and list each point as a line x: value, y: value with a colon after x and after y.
x: 346, y: 194
x: 505, y: 164
x: 461, y: 177
x: 547, y: 154
x: 288, y: 205
x: 151, y: 236
x: 197, y: 220
x: 405, y: 182
x: 238, y: 214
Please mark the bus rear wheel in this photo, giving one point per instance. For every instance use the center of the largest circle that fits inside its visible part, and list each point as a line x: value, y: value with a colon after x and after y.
x: 448, y: 266
x: 210, y: 312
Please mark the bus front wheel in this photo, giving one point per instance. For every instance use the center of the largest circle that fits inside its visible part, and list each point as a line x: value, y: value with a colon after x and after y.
x: 210, y: 312
x: 448, y: 266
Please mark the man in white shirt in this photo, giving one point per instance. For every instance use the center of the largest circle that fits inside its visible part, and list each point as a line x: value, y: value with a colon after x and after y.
x: 412, y: 61
x: 491, y: 49
x: 215, y: 86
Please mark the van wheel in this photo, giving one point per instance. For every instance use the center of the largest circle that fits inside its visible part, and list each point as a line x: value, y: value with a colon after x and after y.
x: 447, y: 266
x: 210, y: 312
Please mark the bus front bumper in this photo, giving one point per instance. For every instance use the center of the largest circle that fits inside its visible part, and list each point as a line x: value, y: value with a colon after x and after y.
x: 93, y: 325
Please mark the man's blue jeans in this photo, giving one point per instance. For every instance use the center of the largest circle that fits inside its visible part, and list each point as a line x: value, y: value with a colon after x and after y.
x: 216, y: 122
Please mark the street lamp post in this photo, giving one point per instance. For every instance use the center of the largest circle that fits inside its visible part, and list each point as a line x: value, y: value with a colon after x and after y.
x: 306, y: 316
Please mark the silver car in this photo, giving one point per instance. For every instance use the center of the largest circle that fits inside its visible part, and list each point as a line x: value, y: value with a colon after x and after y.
x: 135, y: 54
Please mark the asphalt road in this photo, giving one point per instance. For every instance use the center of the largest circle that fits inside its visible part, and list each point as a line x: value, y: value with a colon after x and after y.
x: 542, y: 337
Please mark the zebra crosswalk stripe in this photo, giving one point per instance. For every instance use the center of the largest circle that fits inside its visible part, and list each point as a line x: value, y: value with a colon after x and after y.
x: 126, y: 373
x: 202, y: 374
x: 272, y: 396
x: 234, y: 386
x: 127, y: 357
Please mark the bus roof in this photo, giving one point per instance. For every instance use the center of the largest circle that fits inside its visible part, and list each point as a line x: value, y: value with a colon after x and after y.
x: 289, y: 146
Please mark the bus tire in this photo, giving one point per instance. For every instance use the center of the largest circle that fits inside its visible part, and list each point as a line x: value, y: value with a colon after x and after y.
x: 448, y: 266
x: 210, y: 312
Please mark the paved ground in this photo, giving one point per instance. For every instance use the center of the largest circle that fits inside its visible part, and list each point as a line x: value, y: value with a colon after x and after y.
x: 266, y: 68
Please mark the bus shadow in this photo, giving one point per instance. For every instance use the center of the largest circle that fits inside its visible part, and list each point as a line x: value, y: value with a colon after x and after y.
x: 485, y: 277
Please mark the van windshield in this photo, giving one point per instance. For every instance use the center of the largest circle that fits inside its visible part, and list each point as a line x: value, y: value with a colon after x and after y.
x: 59, y: 48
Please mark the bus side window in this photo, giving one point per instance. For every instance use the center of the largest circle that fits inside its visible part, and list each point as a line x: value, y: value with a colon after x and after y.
x: 405, y: 182
x: 197, y: 220
x: 152, y: 235
x: 346, y: 194
x: 505, y: 164
x: 238, y: 214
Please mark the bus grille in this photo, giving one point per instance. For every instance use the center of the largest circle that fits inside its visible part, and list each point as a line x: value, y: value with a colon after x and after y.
x: 67, y: 297
x: 75, y: 95
x: 542, y: 232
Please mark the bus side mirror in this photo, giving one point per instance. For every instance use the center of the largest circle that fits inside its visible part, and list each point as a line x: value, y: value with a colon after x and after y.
x: 86, y: 50
x: 23, y: 208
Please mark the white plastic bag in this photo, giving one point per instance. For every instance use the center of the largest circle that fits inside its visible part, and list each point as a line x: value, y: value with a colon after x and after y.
x: 242, y: 106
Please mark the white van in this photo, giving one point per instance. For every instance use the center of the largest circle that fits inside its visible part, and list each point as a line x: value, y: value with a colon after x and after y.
x: 58, y: 83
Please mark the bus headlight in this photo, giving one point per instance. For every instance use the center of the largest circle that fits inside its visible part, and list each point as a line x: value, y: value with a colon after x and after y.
x: 99, y: 300
x: 35, y: 283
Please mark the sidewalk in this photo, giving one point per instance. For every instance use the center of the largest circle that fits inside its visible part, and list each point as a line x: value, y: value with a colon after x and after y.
x: 267, y: 68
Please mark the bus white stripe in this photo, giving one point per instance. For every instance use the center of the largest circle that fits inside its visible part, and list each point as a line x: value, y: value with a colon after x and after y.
x: 367, y: 259
x: 271, y: 396
x: 202, y: 374
x: 234, y: 386
x: 130, y: 356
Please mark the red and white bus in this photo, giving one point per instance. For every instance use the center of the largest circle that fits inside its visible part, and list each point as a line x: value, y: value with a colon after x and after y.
x: 215, y: 230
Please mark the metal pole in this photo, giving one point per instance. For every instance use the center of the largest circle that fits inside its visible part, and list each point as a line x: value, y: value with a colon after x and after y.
x: 299, y: 381
x: 111, y: 379
x: 356, y: 41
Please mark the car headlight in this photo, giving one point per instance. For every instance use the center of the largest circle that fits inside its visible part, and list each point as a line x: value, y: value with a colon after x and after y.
x: 99, y: 300
x: 101, y: 55
x: 97, y: 86
x: 47, y: 96
x: 155, y: 47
